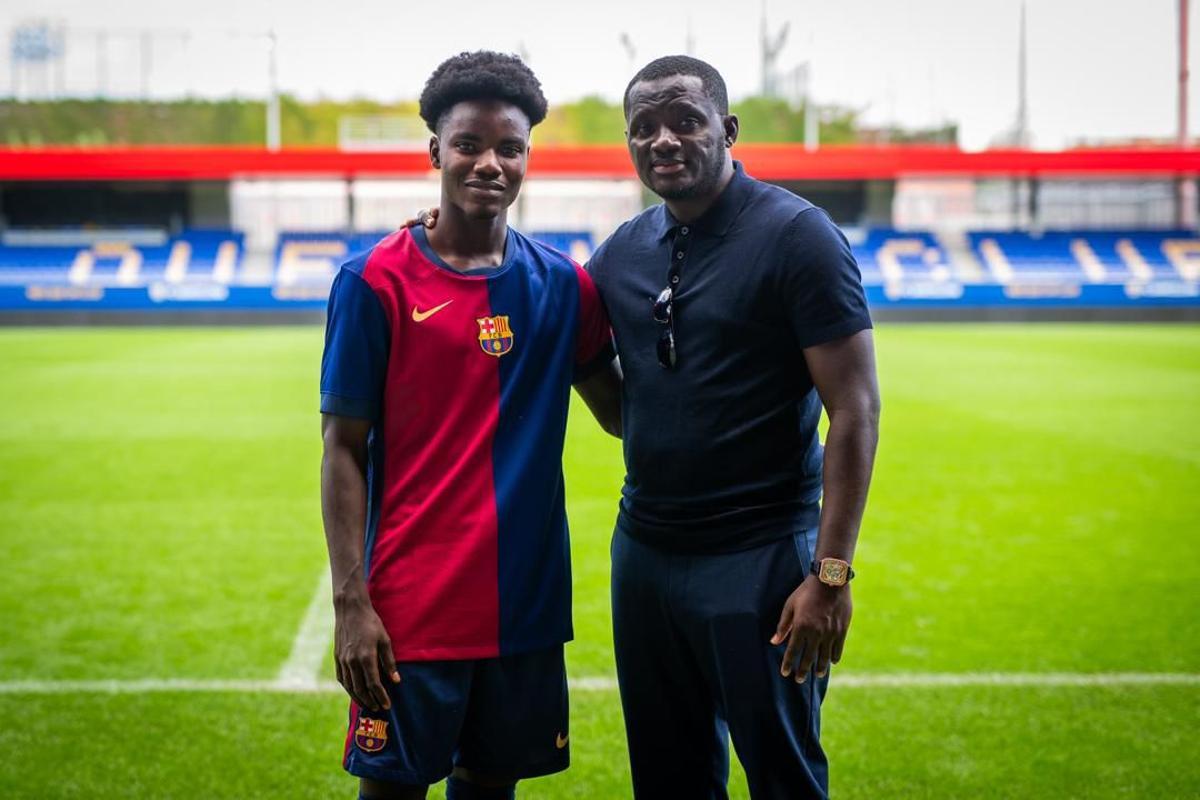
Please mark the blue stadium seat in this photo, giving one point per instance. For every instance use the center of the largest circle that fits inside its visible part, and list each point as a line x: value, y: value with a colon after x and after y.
x: 887, y: 255
x: 197, y: 255
x: 312, y: 257
x: 576, y: 244
x: 1087, y: 256
x: 888, y: 258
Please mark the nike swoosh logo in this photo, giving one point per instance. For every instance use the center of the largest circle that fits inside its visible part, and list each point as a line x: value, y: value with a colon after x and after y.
x: 421, y: 316
x: 560, y: 741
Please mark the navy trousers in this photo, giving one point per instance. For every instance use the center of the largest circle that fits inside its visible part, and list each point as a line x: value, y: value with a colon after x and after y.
x: 696, y: 668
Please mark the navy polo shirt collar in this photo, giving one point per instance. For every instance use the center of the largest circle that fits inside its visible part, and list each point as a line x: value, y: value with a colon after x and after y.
x: 718, y: 218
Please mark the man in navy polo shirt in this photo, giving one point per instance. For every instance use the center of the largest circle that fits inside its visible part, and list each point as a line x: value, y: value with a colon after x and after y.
x: 738, y: 313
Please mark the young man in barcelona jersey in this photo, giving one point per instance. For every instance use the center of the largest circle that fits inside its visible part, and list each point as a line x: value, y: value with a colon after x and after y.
x: 450, y: 354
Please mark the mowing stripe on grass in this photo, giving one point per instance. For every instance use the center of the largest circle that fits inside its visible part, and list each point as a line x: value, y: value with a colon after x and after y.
x: 600, y: 683
x: 311, y: 645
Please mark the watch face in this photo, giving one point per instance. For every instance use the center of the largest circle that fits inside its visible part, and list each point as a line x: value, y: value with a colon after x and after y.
x: 833, y: 571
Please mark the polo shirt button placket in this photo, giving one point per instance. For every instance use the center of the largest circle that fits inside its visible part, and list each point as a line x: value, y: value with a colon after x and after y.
x: 680, y: 252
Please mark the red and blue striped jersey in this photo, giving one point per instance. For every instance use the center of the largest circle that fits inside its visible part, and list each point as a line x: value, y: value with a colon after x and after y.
x: 466, y: 379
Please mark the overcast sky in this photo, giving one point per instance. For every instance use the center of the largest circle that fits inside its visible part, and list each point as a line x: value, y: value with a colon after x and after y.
x: 1097, y: 69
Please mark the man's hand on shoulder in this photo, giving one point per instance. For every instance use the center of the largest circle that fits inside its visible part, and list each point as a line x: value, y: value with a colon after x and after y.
x: 426, y: 216
x: 363, y: 653
x: 814, y: 621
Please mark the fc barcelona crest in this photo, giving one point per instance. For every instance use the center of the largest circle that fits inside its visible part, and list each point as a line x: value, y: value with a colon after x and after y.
x: 371, y: 734
x: 495, y: 337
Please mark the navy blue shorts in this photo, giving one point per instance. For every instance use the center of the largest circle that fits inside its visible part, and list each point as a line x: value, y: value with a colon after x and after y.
x: 696, y: 667
x: 501, y: 717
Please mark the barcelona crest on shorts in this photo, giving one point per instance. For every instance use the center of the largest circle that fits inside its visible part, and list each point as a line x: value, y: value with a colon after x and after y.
x: 371, y: 734
x: 495, y: 337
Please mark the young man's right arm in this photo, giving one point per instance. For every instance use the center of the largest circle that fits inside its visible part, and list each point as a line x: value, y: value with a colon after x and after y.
x: 362, y: 648
x: 353, y: 367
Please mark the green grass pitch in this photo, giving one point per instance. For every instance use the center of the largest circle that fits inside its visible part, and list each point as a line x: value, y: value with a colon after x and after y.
x: 1036, y: 510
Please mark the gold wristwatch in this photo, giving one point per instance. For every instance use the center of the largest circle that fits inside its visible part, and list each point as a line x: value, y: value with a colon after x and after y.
x: 832, y: 571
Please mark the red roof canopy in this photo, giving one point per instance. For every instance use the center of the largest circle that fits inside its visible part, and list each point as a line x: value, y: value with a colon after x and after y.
x: 771, y: 162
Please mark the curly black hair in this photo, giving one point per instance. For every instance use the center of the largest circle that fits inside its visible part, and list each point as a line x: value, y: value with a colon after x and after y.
x: 668, y: 66
x: 482, y: 75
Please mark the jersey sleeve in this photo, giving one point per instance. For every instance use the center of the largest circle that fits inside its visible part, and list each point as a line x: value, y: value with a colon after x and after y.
x: 820, y: 284
x: 594, y: 348
x: 354, y: 364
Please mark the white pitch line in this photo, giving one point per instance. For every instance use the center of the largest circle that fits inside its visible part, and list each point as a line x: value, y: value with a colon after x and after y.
x: 920, y: 680
x: 149, y: 685
x: 310, y: 648
x: 595, y: 683
x: 601, y: 683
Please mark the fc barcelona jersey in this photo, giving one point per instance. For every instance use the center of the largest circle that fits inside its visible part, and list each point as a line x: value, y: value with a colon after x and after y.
x: 466, y: 379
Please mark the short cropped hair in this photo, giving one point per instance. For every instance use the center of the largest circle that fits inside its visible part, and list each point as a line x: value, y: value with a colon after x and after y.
x: 668, y: 66
x: 482, y: 75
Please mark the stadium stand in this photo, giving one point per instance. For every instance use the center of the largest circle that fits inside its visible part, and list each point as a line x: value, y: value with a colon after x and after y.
x: 40, y: 269
x: 307, y: 258
x: 890, y: 256
x: 1088, y: 256
x: 115, y: 258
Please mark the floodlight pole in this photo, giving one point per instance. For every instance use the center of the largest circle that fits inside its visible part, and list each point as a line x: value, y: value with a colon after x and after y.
x: 147, y: 44
x: 101, y: 64
x: 1022, y: 137
x: 273, y: 94
x: 812, y: 119
x: 1185, y: 200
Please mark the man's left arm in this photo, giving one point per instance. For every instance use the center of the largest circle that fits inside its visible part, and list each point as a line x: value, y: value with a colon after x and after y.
x: 816, y: 617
